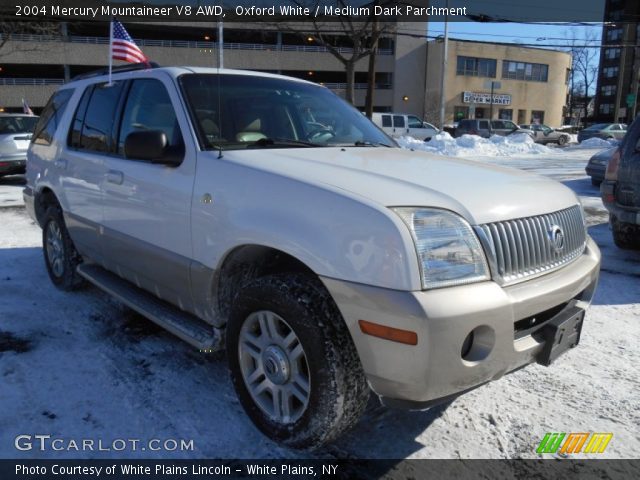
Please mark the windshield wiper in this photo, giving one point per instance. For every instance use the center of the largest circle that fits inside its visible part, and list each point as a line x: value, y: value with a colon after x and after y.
x: 282, y: 142
x: 361, y: 143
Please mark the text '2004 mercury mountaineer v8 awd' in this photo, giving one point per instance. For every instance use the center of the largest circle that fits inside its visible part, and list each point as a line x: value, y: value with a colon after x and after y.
x: 265, y: 214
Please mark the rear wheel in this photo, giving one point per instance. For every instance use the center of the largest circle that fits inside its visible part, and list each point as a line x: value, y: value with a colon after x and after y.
x: 293, y: 363
x: 60, y: 256
x: 625, y: 235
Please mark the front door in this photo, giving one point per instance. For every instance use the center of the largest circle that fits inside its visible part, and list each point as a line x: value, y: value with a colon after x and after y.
x: 146, y: 206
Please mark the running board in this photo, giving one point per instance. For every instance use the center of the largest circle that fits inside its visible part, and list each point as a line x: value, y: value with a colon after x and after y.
x: 184, y: 325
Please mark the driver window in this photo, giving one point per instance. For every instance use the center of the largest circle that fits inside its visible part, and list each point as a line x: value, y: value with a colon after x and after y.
x: 415, y: 122
x: 149, y: 108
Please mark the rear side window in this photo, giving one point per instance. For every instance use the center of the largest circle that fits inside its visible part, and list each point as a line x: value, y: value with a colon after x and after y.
x: 484, y: 124
x: 96, y: 132
x: 386, y: 120
x: 50, y: 118
x: 398, y: 121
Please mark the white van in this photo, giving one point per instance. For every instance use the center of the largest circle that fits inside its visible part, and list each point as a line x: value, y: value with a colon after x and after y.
x: 400, y: 124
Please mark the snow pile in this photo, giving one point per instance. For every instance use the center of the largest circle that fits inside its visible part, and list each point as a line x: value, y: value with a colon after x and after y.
x: 596, y: 142
x: 473, y: 145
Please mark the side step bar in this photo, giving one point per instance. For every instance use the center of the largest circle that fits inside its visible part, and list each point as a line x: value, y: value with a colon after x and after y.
x: 182, y: 324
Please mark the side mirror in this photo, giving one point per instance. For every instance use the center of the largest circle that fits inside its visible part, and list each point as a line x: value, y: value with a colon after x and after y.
x: 151, y: 145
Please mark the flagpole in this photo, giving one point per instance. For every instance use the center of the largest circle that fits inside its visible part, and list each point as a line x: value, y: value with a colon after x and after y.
x: 110, y: 48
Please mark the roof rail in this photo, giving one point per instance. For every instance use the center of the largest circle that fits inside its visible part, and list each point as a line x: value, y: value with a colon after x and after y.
x: 123, y: 68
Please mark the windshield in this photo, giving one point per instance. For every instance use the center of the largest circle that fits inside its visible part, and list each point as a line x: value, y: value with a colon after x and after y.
x: 264, y: 112
x: 24, y: 124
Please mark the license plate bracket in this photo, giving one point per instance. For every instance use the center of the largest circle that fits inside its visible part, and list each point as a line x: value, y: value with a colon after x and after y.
x: 562, y: 333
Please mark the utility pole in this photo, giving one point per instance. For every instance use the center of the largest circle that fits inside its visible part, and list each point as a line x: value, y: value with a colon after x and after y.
x: 445, y: 62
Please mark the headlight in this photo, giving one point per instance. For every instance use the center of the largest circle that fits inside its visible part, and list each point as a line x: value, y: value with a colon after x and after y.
x: 448, y: 250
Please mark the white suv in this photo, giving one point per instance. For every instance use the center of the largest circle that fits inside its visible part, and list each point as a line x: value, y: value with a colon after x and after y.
x: 266, y: 214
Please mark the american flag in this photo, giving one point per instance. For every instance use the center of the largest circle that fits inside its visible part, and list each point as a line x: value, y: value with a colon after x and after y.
x: 123, y: 47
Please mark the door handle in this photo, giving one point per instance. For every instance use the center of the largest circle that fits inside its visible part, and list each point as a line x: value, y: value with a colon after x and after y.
x: 115, y: 177
x: 61, y: 163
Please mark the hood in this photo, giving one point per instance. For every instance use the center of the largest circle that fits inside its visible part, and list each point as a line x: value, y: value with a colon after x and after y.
x: 397, y: 177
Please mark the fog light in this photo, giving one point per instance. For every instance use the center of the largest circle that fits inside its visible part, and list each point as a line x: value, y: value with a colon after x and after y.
x: 477, y: 345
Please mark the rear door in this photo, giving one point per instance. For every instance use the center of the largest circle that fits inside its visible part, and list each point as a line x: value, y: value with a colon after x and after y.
x: 81, y: 167
x: 147, y: 226
x: 400, y: 125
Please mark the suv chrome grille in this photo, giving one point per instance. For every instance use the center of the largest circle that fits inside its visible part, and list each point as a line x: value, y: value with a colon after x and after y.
x: 525, y: 247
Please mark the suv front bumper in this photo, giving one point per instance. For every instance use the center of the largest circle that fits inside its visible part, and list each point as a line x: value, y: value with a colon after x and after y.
x: 419, y: 376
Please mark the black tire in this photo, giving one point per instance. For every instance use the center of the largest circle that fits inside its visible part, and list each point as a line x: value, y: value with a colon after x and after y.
x: 625, y: 235
x: 595, y: 182
x: 62, y: 259
x: 337, y: 393
x: 562, y: 140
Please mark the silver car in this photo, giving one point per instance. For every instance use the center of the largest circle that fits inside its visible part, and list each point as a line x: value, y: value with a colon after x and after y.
x: 544, y: 134
x: 606, y: 131
x: 15, y: 135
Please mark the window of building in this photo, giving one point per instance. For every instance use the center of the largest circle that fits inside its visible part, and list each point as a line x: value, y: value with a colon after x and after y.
x: 505, y: 114
x: 522, y: 116
x: 608, y: 90
x: 612, y: 53
x: 460, y: 113
x: 606, y: 108
x: 537, y: 117
x: 536, y: 72
x: 476, y: 67
x: 610, y: 72
x: 48, y: 122
x: 614, y: 34
x: 149, y: 108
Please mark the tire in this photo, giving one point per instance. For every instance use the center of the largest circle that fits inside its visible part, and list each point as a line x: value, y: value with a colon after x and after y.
x: 562, y: 140
x: 318, y: 372
x: 625, y: 235
x: 60, y: 256
x: 595, y: 182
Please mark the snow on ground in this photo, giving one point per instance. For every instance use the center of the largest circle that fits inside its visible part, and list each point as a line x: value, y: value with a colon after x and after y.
x: 81, y: 365
x: 597, y: 143
x: 468, y: 145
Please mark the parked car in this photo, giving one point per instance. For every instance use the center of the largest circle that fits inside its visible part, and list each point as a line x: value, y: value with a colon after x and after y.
x: 486, y: 128
x: 266, y: 214
x: 597, y: 165
x: 544, y: 134
x: 621, y: 190
x: 400, y: 124
x: 606, y: 131
x: 15, y: 134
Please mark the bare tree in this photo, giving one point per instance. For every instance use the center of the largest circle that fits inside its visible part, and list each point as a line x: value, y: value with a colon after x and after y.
x: 349, y: 38
x: 584, y: 65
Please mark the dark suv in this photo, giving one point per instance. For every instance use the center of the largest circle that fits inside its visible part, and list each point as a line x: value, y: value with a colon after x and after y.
x: 485, y: 128
x: 621, y: 190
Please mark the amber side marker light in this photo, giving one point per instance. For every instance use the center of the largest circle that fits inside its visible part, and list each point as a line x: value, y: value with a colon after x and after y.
x: 388, y: 333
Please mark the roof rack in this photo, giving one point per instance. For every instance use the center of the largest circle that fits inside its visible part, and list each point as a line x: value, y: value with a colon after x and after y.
x: 123, y: 68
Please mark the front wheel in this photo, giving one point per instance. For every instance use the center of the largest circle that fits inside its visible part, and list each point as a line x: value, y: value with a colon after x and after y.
x: 293, y: 363
x: 562, y: 141
x: 60, y: 255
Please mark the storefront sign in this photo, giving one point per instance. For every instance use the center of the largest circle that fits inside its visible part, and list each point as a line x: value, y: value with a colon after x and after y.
x: 485, y: 98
